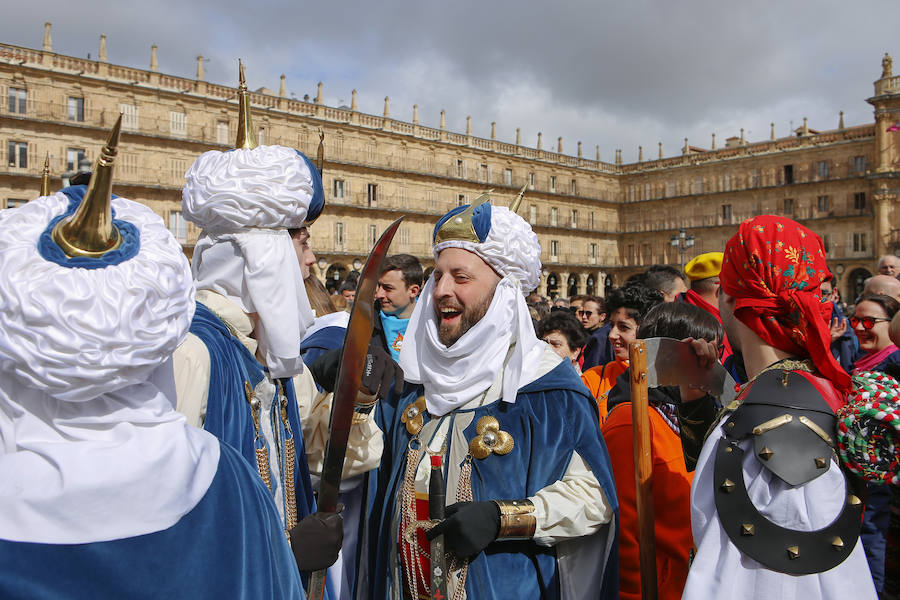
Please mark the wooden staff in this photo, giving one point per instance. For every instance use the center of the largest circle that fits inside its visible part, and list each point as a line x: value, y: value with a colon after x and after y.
x: 643, y: 468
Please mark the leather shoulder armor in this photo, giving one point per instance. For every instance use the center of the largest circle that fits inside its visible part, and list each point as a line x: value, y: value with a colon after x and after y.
x: 791, y: 424
x: 792, y: 428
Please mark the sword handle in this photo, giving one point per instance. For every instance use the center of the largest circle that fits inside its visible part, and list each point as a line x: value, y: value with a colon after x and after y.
x: 436, y: 502
x: 436, y: 495
x: 643, y: 468
x: 316, y: 585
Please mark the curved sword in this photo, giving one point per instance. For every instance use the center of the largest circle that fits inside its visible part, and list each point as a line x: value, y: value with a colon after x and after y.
x: 353, y: 356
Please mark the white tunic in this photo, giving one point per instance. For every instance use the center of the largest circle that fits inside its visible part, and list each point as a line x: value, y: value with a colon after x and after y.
x: 720, y: 570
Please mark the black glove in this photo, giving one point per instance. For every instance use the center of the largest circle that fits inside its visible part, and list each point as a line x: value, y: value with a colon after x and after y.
x: 316, y: 541
x: 468, y: 528
x: 379, y: 369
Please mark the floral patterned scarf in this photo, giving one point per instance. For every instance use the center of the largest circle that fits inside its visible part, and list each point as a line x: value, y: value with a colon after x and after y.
x: 773, y: 267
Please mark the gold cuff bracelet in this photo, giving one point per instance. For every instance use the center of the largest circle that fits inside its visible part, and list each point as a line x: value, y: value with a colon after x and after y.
x: 517, y: 520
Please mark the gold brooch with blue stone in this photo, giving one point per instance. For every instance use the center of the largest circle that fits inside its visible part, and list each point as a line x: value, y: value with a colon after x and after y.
x: 490, y: 439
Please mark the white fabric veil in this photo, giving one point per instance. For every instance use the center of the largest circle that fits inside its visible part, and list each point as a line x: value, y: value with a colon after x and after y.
x: 245, y: 201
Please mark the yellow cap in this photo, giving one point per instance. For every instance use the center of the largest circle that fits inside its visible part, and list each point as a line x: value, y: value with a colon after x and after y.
x: 704, y: 266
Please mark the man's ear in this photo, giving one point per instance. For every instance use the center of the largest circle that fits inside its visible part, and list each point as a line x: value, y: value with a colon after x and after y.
x: 414, y: 290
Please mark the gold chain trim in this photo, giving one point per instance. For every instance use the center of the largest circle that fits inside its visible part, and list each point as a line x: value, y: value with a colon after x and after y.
x: 290, y: 493
x: 262, y: 454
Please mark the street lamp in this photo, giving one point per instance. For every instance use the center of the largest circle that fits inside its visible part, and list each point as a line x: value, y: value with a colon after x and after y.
x: 682, y: 241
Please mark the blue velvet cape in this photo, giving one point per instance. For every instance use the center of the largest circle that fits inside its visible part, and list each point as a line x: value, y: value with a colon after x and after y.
x: 230, y: 545
x: 228, y: 415
x: 552, y: 417
x: 323, y: 340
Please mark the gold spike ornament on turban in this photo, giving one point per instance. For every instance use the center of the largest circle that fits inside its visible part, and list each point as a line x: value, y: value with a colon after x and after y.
x: 460, y: 227
x: 45, y: 177
x: 90, y: 231
x: 246, y: 137
x: 514, y: 207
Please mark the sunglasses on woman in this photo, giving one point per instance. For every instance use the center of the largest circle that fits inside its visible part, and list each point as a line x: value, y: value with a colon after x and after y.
x: 867, y: 322
x: 584, y: 313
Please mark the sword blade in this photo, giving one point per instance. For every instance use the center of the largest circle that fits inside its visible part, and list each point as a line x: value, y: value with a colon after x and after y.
x: 353, y: 355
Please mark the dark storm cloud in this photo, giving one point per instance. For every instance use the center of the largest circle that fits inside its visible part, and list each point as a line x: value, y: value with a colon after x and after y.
x: 618, y: 75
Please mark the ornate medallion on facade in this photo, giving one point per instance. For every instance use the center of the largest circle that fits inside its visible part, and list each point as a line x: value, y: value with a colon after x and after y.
x: 413, y: 416
x: 490, y: 440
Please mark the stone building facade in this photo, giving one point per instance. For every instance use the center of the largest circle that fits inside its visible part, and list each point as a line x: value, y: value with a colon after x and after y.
x: 597, y: 222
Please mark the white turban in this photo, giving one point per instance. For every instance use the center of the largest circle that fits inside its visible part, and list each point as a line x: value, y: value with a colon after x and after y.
x: 454, y: 376
x: 245, y: 201
x: 78, y: 333
x: 89, y: 436
x: 511, y: 248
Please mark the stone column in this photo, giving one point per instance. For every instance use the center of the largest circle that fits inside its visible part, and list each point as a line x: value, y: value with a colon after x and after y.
x: 282, y: 89
x: 48, y: 41
x: 415, y: 114
x: 154, y: 63
x: 200, y: 73
x: 319, y: 99
x: 542, y: 286
x: 563, y: 285
x: 102, y: 55
x: 885, y: 200
x: 353, y: 105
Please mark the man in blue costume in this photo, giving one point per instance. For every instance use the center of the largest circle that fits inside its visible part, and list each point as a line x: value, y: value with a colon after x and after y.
x: 105, y: 490
x: 532, y: 504
x: 242, y: 359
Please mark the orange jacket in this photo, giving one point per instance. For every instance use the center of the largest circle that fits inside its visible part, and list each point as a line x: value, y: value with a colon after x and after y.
x: 600, y: 380
x: 671, y: 504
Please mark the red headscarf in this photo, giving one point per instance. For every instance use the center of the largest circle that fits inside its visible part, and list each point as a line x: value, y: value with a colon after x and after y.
x: 773, y: 267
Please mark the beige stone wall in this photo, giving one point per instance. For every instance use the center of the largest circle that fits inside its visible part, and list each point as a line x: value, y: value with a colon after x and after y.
x: 593, y: 219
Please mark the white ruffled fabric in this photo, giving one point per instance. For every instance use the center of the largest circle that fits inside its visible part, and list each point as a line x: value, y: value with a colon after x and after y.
x: 245, y: 200
x: 268, y: 187
x: 91, y: 448
x: 78, y: 333
x: 511, y: 248
x: 454, y: 376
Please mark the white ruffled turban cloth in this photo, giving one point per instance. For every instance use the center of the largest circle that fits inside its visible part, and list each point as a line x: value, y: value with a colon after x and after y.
x: 91, y: 448
x: 455, y: 375
x: 245, y: 201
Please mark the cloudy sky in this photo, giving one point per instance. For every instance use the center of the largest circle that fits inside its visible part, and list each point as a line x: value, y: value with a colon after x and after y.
x: 613, y: 74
